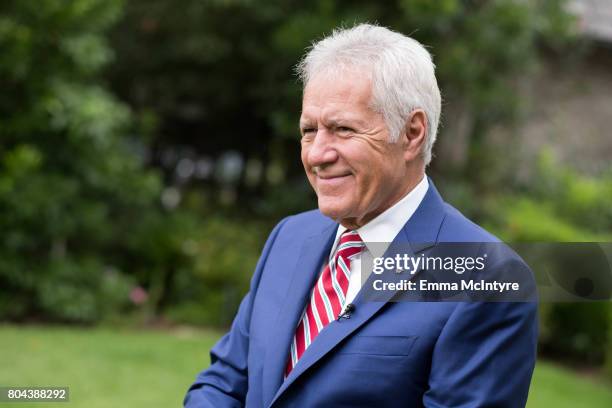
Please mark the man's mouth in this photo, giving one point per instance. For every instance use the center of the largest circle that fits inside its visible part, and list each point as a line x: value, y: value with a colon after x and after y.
x: 332, y: 176
x: 333, y: 181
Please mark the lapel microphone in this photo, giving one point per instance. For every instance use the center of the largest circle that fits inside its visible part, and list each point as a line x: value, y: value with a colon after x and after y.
x: 346, y: 314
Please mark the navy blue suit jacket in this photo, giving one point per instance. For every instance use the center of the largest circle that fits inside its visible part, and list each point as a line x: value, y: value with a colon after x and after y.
x: 388, y: 354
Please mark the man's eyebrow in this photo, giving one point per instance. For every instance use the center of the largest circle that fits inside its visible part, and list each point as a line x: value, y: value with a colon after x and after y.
x: 343, y: 121
x: 305, y: 119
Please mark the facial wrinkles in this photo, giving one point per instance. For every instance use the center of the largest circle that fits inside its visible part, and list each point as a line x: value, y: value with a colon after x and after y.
x: 327, y: 108
x: 370, y: 130
x: 363, y: 123
x: 374, y: 138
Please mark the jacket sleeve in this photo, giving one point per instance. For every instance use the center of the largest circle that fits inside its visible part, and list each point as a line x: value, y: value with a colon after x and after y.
x: 225, y: 382
x: 484, y: 356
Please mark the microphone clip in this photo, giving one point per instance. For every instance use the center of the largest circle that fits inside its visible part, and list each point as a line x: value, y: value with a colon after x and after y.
x: 346, y: 313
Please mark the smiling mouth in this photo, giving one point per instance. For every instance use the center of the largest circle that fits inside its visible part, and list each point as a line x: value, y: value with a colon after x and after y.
x: 327, y: 182
x: 328, y: 177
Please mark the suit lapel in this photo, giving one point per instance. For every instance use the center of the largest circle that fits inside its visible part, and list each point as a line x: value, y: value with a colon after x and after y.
x: 419, y: 233
x: 333, y: 334
x: 307, y: 268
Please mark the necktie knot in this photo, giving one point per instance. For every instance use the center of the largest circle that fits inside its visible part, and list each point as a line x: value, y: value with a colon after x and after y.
x: 349, y: 245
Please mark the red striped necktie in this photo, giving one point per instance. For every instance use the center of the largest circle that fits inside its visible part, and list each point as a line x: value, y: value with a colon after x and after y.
x: 327, y: 298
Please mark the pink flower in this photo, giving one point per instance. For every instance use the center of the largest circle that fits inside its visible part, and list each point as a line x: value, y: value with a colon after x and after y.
x: 138, y: 295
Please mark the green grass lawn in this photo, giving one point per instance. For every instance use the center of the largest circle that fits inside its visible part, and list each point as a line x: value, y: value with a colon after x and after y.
x: 103, y: 367
x: 116, y: 368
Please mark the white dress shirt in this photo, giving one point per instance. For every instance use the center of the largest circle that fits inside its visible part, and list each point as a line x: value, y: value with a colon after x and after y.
x: 383, y: 229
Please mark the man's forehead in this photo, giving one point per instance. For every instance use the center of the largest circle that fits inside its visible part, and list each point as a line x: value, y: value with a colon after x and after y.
x: 336, y: 103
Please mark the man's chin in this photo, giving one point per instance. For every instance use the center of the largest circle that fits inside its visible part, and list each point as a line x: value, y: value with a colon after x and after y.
x: 332, y: 212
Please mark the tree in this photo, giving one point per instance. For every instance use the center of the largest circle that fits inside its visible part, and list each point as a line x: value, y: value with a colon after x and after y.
x: 217, y: 76
x: 73, y: 185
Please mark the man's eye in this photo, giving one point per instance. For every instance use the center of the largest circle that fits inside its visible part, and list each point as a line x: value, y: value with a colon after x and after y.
x: 344, y: 129
x: 306, y: 131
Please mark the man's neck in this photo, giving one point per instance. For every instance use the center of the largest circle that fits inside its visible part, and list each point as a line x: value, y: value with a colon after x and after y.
x: 353, y: 223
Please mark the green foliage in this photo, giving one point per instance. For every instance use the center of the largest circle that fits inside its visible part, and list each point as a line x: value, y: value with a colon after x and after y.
x: 578, y: 331
x: 80, y: 291
x: 72, y: 185
x: 228, y: 249
x: 561, y: 205
x: 225, y: 69
x: 609, y: 348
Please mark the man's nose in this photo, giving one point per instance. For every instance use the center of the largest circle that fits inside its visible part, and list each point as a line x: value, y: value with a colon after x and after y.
x: 322, y: 150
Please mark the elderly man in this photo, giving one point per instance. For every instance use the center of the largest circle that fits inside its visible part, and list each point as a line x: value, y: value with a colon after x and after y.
x: 306, y: 335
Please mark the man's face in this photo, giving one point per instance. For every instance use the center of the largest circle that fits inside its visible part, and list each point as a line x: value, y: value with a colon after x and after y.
x: 355, y: 171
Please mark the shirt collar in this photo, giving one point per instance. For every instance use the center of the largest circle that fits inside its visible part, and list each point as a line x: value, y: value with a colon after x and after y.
x: 383, y: 229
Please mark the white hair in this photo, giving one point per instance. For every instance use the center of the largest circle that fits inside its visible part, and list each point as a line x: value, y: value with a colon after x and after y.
x: 401, y: 69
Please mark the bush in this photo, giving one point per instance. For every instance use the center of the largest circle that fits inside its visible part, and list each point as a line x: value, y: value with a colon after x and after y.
x: 563, y: 206
x: 74, y: 187
x: 227, y: 252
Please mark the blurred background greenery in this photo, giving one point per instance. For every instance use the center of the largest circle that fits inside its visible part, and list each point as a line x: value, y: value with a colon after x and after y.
x: 148, y: 147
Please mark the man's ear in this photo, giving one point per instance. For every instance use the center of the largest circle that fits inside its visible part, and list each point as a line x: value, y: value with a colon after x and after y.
x: 414, y: 135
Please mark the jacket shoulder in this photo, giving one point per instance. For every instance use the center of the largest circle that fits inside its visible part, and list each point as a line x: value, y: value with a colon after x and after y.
x: 456, y: 227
